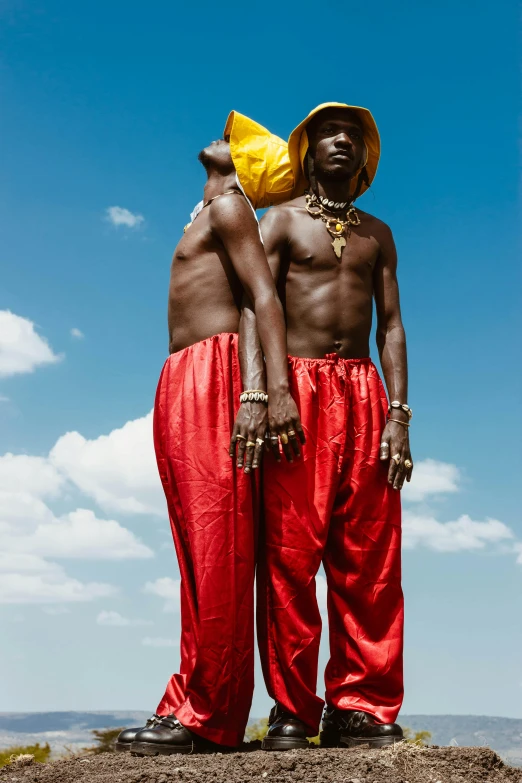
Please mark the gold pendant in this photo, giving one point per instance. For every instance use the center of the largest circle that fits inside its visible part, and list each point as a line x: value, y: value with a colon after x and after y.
x: 338, y: 244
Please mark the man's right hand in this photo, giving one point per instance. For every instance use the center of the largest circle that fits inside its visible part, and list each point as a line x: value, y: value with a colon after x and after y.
x: 284, y: 423
x: 249, y: 427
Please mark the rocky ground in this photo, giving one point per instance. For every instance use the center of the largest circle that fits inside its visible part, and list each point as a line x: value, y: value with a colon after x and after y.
x: 404, y: 763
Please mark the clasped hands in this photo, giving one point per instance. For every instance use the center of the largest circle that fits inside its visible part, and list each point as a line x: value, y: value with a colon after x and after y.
x: 259, y: 428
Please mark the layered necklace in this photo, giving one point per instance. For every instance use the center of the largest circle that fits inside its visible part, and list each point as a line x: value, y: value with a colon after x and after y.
x: 337, y: 227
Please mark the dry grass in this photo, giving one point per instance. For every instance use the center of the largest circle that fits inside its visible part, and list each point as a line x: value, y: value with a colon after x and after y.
x: 21, y: 760
x: 410, y: 759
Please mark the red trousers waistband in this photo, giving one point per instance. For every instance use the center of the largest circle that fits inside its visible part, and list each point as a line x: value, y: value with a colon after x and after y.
x: 329, y: 358
x: 221, y: 338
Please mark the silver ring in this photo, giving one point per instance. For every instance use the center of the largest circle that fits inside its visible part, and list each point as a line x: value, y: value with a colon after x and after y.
x: 384, y: 445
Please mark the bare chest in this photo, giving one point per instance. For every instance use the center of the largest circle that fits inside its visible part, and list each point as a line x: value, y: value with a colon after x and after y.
x: 201, y: 269
x: 196, y: 241
x: 313, y: 248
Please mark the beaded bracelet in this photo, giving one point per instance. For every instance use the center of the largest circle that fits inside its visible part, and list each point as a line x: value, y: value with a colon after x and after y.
x: 253, y: 395
x: 395, y: 404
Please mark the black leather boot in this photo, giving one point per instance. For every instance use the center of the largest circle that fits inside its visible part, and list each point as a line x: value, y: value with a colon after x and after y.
x: 352, y: 728
x: 169, y: 736
x: 126, y: 737
x: 285, y: 731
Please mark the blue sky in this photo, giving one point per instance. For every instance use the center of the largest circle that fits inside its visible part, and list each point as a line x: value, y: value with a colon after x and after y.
x: 108, y: 104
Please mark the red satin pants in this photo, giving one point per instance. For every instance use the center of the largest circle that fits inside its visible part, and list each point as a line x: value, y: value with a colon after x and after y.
x: 333, y: 505
x: 210, y: 506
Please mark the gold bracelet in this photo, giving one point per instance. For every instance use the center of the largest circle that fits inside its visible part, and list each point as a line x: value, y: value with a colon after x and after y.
x: 404, y: 423
x: 253, y: 395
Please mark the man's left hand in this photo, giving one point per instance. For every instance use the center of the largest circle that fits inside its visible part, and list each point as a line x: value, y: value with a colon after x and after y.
x: 395, y: 446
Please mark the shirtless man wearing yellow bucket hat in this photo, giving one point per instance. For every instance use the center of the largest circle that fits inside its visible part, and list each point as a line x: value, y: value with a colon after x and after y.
x: 340, y: 504
x: 212, y: 505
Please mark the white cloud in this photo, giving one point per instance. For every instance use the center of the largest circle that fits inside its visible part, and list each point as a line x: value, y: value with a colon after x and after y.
x: 21, y: 562
x: 22, y: 349
x: 460, y: 535
x: 3, y: 398
x: 52, y: 587
x: 20, y: 512
x: 118, y: 470
x: 29, y: 527
x: 19, y: 472
x: 80, y: 534
x: 157, y: 641
x: 28, y: 579
x: 77, y: 333
x: 168, y: 589
x: 431, y: 477
x: 421, y: 528
x: 119, y: 216
x: 115, y: 619
x: 518, y: 550
x: 30, y: 532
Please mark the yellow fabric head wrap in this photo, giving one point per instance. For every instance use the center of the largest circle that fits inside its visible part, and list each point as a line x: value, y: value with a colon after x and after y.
x: 261, y: 161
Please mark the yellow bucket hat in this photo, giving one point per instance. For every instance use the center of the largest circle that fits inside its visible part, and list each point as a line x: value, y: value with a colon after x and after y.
x: 298, y: 147
x: 261, y: 161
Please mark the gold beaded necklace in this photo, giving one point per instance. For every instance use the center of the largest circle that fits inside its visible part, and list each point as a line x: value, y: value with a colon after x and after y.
x: 335, y: 226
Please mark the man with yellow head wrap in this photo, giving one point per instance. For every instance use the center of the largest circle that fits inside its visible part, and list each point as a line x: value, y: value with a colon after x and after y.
x: 340, y: 504
x: 211, y: 504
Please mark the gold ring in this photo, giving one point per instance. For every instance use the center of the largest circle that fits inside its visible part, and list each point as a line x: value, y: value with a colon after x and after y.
x: 396, y: 458
x: 240, y: 437
x: 250, y: 443
x: 408, y: 463
x: 291, y: 433
x: 260, y: 441
x: 284, y: 438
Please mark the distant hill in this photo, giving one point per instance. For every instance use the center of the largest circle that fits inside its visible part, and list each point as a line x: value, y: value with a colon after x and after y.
x: 504, y: 735
x: 37, y: 722
x: 62, y: 730
x: 73, y: 729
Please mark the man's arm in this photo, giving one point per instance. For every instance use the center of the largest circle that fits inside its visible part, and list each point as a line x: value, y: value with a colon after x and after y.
x: 233, y: 222
x: 252, y: 418
x: 274, y: 227
x: 391, y: 342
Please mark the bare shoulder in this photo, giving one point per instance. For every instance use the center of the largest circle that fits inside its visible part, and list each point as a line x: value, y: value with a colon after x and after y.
x: 373, y: 222
x: 230, y: 210
x: 378, y: 228
x: 278, y: 219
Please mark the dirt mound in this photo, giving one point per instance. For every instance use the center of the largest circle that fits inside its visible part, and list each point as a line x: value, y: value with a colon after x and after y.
x: 404, y: 763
